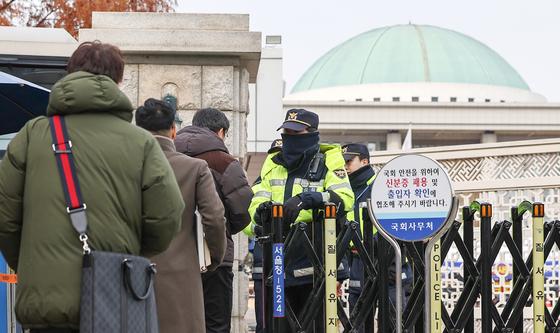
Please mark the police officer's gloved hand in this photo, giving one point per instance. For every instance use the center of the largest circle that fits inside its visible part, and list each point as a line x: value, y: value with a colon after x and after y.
x: 262, y: 210
x: 258, y: 230
x: 292, y: 207
x: 312, y: 200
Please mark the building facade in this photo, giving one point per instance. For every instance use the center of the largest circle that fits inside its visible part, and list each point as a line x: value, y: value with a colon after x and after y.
x: 447, y: 87
x: 265, y: 101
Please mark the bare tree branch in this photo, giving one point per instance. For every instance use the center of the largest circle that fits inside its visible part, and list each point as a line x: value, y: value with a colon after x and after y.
x: 5, y: 6
x: 41, y: 21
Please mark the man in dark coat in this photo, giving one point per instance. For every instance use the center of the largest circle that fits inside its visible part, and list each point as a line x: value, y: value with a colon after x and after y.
x: 178, y: 285
x: 205, y: 140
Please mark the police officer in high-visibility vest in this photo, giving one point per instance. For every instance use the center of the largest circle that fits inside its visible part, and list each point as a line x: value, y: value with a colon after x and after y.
x: 257, y: 271
x: 303, y: 177
x: 361, y: 176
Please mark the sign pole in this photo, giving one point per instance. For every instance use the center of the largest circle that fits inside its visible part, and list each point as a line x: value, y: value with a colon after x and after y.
x: 329, y: 243
x: 278, y: 293
x: 538, y: 268
x: 428, y: 266
x: 412, y: 200
x: 398, y: 268
x: 435, y: 288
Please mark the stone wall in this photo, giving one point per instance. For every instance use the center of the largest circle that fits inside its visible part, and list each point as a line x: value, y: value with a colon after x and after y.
x: 203, y: 60
x: 221, y: 87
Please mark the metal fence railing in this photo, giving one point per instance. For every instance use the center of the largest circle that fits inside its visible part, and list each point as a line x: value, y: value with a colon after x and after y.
x: 476, y: 288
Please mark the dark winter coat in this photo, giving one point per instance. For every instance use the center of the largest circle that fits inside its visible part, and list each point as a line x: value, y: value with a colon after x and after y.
x: 133, y: 202
x: 229, y: 177
x: 178, y: 285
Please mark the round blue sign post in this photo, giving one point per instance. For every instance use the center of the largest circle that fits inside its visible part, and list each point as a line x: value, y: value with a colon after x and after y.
x: 412, y: 200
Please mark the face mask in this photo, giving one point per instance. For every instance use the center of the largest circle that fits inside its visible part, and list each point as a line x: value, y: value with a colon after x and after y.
x: 294, y: 147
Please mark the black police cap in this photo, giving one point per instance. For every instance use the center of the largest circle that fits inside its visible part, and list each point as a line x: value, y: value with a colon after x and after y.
x: 352, y: 150
x: 275, y: 146
x: 300, y: 119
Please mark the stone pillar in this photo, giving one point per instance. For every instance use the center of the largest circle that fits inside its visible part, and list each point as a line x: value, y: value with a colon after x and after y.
x: 204, y: 60
x: 394, y: 140
x: 488, y: 137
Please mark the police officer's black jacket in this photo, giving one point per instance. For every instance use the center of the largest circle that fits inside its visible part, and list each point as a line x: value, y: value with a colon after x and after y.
x: 360, y: 181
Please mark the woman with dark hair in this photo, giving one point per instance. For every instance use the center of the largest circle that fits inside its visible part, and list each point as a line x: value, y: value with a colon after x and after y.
x: 133, y: 202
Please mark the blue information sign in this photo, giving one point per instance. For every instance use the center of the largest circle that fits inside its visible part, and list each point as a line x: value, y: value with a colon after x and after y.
x: 411, y: 197
x: 278, y: 280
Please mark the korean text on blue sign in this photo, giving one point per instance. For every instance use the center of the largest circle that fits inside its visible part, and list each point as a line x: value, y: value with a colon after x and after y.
x: 278, y: 280
x: 411, y: 197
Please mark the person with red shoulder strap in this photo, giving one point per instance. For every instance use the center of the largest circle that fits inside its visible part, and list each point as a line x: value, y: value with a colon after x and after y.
x: 134, y: 205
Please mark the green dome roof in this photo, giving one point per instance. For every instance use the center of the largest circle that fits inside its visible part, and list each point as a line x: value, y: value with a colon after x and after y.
x: 410, y: 53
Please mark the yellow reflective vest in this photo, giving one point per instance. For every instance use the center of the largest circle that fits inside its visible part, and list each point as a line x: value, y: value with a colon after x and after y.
x: 266, y: 167
x: 274, y: 178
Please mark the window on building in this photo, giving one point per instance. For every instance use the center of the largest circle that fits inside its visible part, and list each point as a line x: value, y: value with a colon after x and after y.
x: 502, y: 101
x: 396, y: 99
x: 377, y: 99
x: 358, y: 99
x: 471, y: 99
x: 487, y: 100
x: 434, y: 99
x: 415, y: 99
x: 453, y: 99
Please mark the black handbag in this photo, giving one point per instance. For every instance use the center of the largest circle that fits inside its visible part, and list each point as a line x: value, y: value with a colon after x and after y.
x: 117, y: 293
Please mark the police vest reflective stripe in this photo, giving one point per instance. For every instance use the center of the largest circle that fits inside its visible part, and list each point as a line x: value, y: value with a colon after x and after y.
x: 299, y: 181
x: 277, y: 182
x: 339, y: 186
x: 263, y: 194
x: 354, y: 284
x: 308, y: 183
